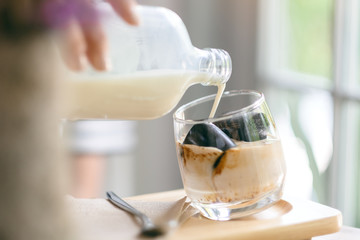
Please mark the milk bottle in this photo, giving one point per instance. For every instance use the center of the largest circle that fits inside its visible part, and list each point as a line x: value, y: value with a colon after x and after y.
x: 153, y: 64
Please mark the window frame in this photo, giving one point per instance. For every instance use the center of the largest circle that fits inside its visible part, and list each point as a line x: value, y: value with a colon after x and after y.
x: 345, y: 61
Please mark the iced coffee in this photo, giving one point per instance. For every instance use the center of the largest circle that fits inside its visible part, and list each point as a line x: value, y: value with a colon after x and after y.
x: 238, y: 175
x: 231, y: 164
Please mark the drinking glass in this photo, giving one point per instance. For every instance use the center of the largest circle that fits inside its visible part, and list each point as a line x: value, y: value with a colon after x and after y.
x: 231, y: 165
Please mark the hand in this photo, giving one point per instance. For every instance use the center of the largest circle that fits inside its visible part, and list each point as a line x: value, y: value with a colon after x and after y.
x: 83, y: 37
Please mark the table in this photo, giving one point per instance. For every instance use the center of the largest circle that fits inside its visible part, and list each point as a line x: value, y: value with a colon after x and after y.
x: 288, y: 219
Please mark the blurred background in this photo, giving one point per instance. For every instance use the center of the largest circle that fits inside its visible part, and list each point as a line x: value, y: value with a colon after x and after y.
x: 303, y: 54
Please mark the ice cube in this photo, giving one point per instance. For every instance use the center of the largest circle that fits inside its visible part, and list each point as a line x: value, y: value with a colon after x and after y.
x: 208, y: 135
x: 248, y: 127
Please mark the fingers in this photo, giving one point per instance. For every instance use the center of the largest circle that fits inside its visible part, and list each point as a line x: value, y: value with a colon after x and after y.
x: 125, y: 8
x: 84, y: 44
x: 74, y: 46
x: 85, y: 40
x: 96, y: 46
x: 96, y: 42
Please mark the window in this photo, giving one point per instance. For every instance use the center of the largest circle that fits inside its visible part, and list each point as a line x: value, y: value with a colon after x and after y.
x: 309, y: 68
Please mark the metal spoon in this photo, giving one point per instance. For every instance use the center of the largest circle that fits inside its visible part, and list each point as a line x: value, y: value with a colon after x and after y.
x: 148, y: 228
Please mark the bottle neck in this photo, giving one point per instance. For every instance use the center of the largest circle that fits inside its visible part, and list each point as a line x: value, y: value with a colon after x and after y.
x: 216, y: 62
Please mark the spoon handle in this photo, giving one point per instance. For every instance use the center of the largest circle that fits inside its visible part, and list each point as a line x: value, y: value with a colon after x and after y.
x: 116, y: 200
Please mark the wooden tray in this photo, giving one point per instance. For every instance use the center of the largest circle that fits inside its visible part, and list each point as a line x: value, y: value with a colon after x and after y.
x: 288, y: 219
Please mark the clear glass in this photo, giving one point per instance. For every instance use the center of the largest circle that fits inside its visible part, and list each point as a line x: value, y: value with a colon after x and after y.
x: 231, y: 165
x: 161, y: 41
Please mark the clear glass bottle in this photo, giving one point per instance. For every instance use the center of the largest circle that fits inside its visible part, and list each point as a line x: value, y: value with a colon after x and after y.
x: 152, y: 66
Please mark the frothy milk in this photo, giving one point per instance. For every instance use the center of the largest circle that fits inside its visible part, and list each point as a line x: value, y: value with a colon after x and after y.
x: 144, y: 95
x: 245, y: 173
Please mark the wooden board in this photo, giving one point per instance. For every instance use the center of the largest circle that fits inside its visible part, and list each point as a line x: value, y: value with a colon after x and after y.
x: 288, y: 219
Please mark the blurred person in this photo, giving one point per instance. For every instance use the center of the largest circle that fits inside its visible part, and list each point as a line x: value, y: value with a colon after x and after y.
x: 32, y: 171
x: 32, y: 175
